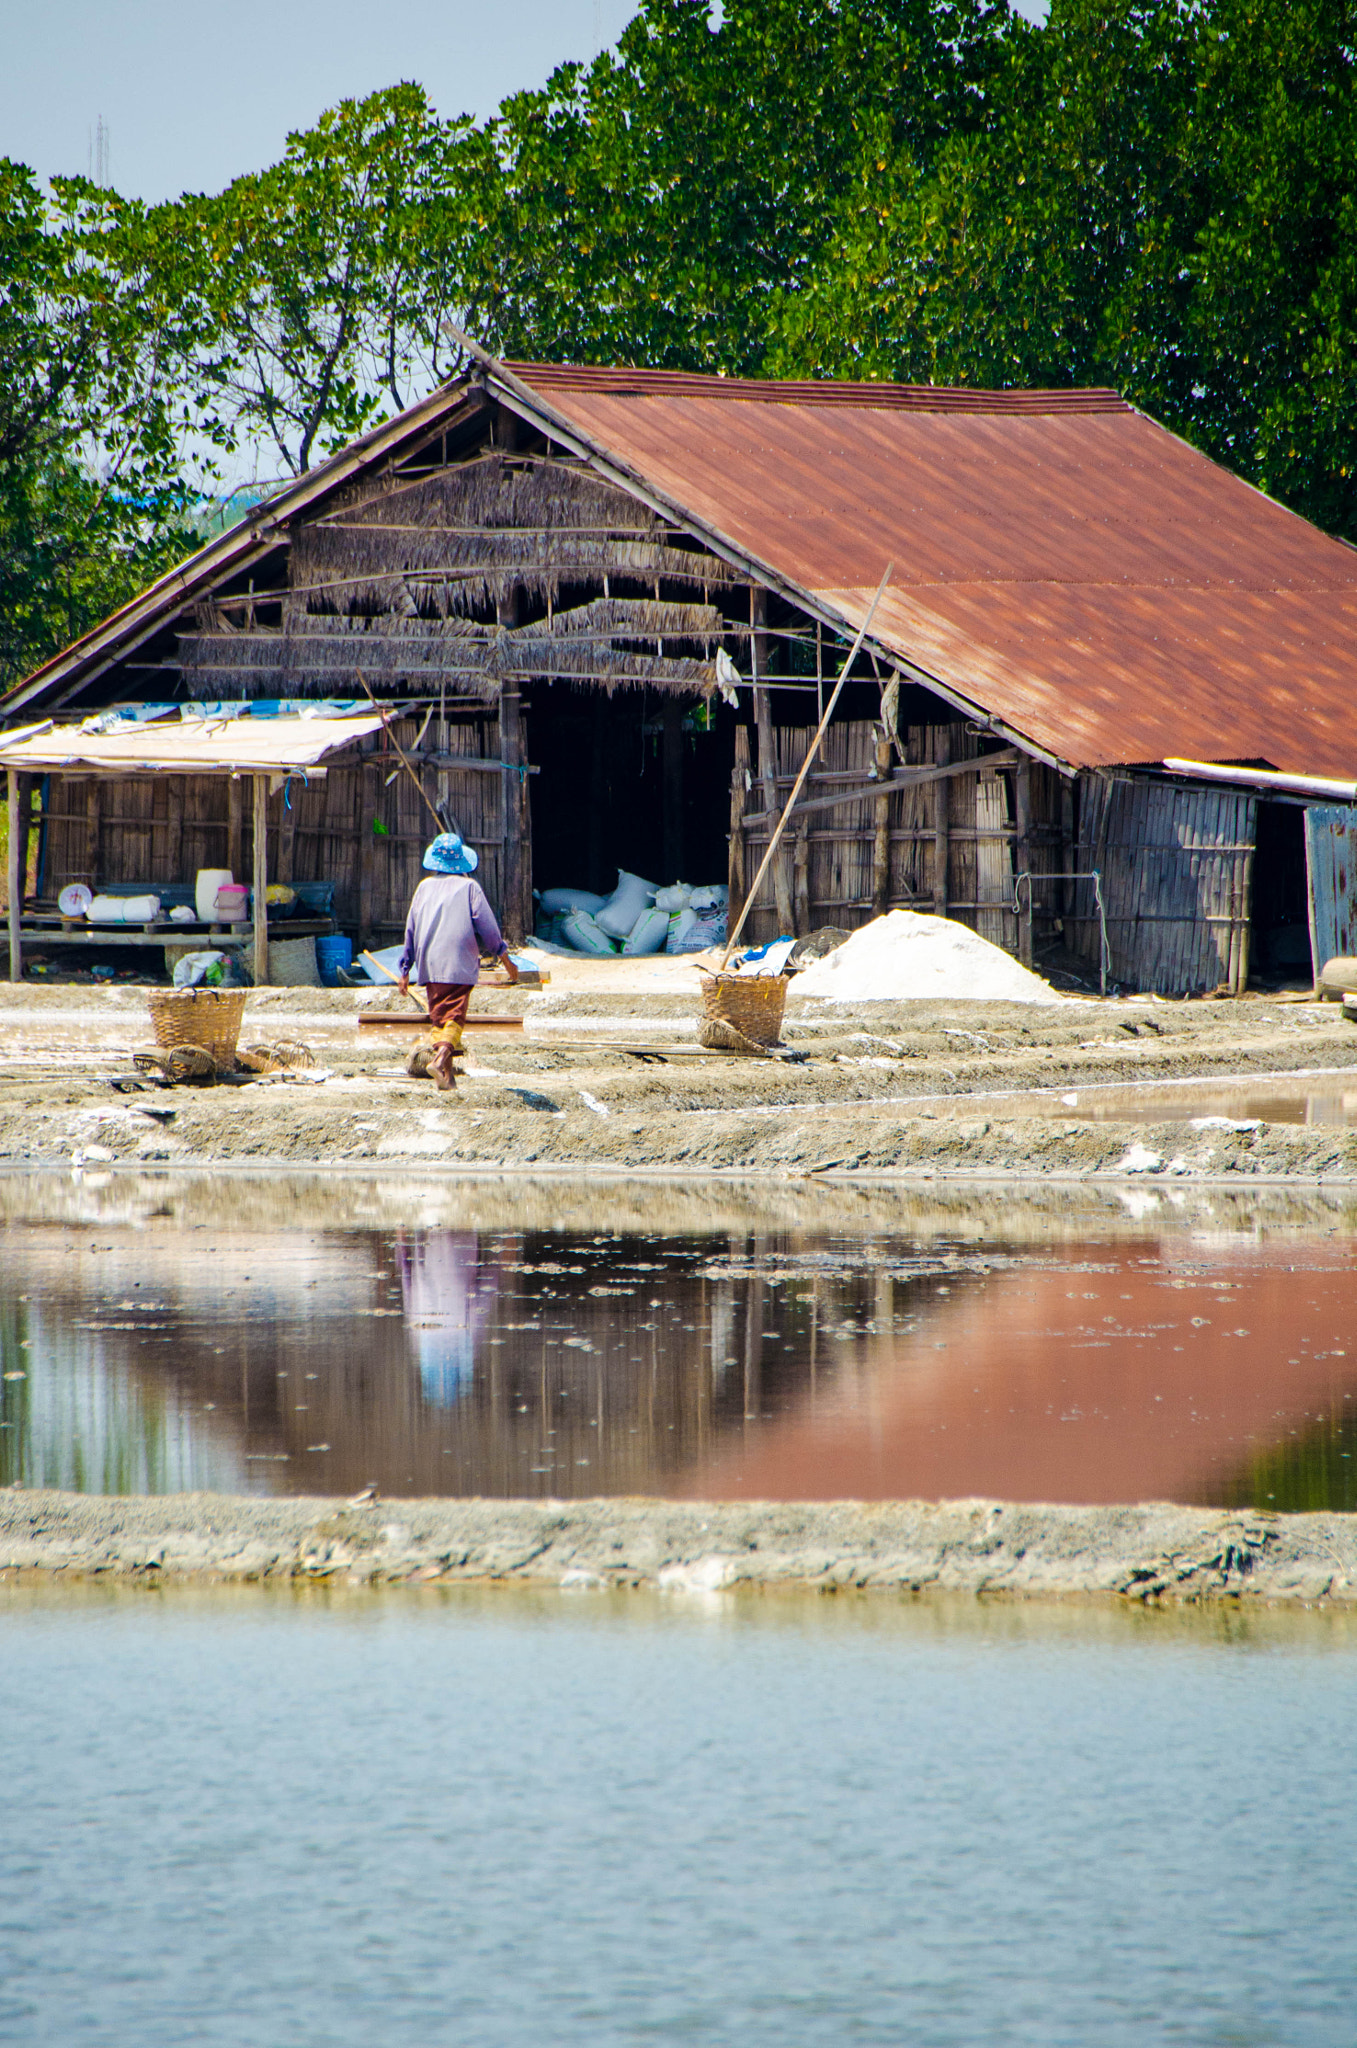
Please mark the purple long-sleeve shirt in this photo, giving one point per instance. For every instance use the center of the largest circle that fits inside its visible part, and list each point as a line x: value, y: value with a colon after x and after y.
x: 450, y: 925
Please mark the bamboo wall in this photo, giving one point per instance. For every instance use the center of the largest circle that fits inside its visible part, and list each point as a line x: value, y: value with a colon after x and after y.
x: 950, y: 847
x: 1177, y: 880
x: 363, y: 826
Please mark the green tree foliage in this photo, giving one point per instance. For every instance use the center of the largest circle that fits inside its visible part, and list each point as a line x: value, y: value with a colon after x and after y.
x: 650, y: 207
x: 94, y: 348
x: 1154, y: 194
x: 1163, y: 201
x: 323, y: 282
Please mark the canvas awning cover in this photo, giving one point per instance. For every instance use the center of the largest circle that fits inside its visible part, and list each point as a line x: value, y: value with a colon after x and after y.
x: 227, y: 746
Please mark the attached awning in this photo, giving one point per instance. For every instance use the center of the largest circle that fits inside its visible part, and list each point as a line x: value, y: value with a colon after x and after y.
x: 225, y: 746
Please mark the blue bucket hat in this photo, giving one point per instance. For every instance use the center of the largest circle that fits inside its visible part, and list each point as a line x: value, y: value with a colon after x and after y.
x: 446, y: 855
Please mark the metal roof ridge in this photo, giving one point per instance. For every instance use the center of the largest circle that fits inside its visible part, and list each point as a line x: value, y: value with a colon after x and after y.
x: 623, y: 380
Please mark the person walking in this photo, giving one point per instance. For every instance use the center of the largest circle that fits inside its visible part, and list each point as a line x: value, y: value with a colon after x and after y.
x: 449, y: 926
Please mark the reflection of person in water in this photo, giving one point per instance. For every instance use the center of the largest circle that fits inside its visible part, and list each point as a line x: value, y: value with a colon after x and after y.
x: 448, y: 1297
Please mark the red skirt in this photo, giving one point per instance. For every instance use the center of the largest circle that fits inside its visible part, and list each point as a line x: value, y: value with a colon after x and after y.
x: 448, y: 1005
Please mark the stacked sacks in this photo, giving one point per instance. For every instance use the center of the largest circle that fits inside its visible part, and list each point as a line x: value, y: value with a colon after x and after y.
x: 702, y: 921
x: 554, y: 906
x: 636, y: 919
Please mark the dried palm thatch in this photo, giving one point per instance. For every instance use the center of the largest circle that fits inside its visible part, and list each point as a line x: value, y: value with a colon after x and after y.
x: 486, y: 525
x: 634, y: 618
x: 397, y: 653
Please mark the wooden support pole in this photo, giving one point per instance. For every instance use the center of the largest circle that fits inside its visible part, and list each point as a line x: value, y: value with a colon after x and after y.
x: 763, y: 714
x: 516, y: 884
x: 369, y: 798
x: 881, y: 842
x: 25, y: 828
x: 801, y: 879
x: 739, y: 797
x: 94, y: 798
x: 261, y: 880
x: 235, y: 828
x: 671, y: 775
x: 14, y: 880
x: 941, y: 815
x: 1022, y: 852
x: 287, y: 831
x: 174, y: 829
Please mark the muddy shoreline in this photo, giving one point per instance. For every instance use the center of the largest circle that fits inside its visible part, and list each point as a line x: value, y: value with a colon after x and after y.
x: 1078, y: 1090
x: 1151, y: 1554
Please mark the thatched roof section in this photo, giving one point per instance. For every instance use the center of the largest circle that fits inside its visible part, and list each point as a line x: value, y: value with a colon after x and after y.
x: 461, y: 539
x: 315, y: 654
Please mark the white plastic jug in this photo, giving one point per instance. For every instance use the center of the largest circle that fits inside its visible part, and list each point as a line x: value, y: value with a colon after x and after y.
x: 205, y: 888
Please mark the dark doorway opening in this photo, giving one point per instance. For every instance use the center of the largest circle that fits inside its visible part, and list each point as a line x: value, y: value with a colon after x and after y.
x: 1279, y: 944
x: 638, y: 780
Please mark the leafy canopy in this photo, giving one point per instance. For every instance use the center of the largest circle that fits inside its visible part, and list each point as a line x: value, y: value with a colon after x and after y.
x: 1154, y: 194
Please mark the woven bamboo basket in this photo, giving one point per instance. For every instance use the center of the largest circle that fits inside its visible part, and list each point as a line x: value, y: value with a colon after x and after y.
x: 753, y: 1003
x: 208, y: 1017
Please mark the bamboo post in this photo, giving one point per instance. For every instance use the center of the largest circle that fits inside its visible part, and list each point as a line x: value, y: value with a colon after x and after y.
x: 93, y: 811
x: 25, y: 830
x: 287, y: 834
x: 801, y: 878
x: 739, y: 797
x: 174, y: 829
x: 261, y: 880
x: 811, y: 752
x: 235, y: 828
x: 942, y: 754
x: 15, y: 880
x: 763, y: 714
x: 881, y: 841
x: 1022, y: 852
x: 516, y: 884
x: 369, y: 798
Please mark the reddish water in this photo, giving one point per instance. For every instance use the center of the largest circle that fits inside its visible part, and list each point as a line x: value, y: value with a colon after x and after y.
x: 1166, y: 1365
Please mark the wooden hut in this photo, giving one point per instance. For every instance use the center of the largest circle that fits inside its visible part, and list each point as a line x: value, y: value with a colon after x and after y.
x: 532, y: 571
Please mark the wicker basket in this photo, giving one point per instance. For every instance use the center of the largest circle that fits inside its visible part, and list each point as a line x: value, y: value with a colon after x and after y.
x: 753, y: 1003
x: 209, y: 1017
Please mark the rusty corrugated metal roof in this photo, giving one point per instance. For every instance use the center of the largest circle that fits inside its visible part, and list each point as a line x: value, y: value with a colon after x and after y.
x: 1062, y: 562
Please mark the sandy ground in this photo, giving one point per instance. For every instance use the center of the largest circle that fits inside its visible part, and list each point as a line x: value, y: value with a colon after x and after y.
x: 912, y: 1090
x: 1153, y: 1554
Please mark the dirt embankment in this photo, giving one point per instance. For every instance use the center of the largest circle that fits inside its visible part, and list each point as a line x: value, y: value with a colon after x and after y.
x: 1083, y: 1089
x: 1153, y: 1554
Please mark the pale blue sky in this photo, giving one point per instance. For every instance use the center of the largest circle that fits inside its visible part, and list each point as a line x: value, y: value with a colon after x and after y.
x: 192, y: 96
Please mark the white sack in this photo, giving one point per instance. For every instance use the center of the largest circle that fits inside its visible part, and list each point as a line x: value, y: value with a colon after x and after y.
x: 124, y: 910
x: 624, y: 906
x: 580, y: 931
x: 648, y: 934
x: 557, y: 902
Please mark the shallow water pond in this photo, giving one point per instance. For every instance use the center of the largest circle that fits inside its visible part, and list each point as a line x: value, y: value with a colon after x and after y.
x: 1159, y: 1362
x: 244, y: 1820
x: 1305, y: 1097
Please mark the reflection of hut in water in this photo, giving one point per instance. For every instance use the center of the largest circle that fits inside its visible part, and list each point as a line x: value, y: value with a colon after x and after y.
x: 1095, y: 649
x: 327, y: 1361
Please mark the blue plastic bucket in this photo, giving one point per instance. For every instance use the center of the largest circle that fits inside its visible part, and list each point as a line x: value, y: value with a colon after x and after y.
x: 331, y: 955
